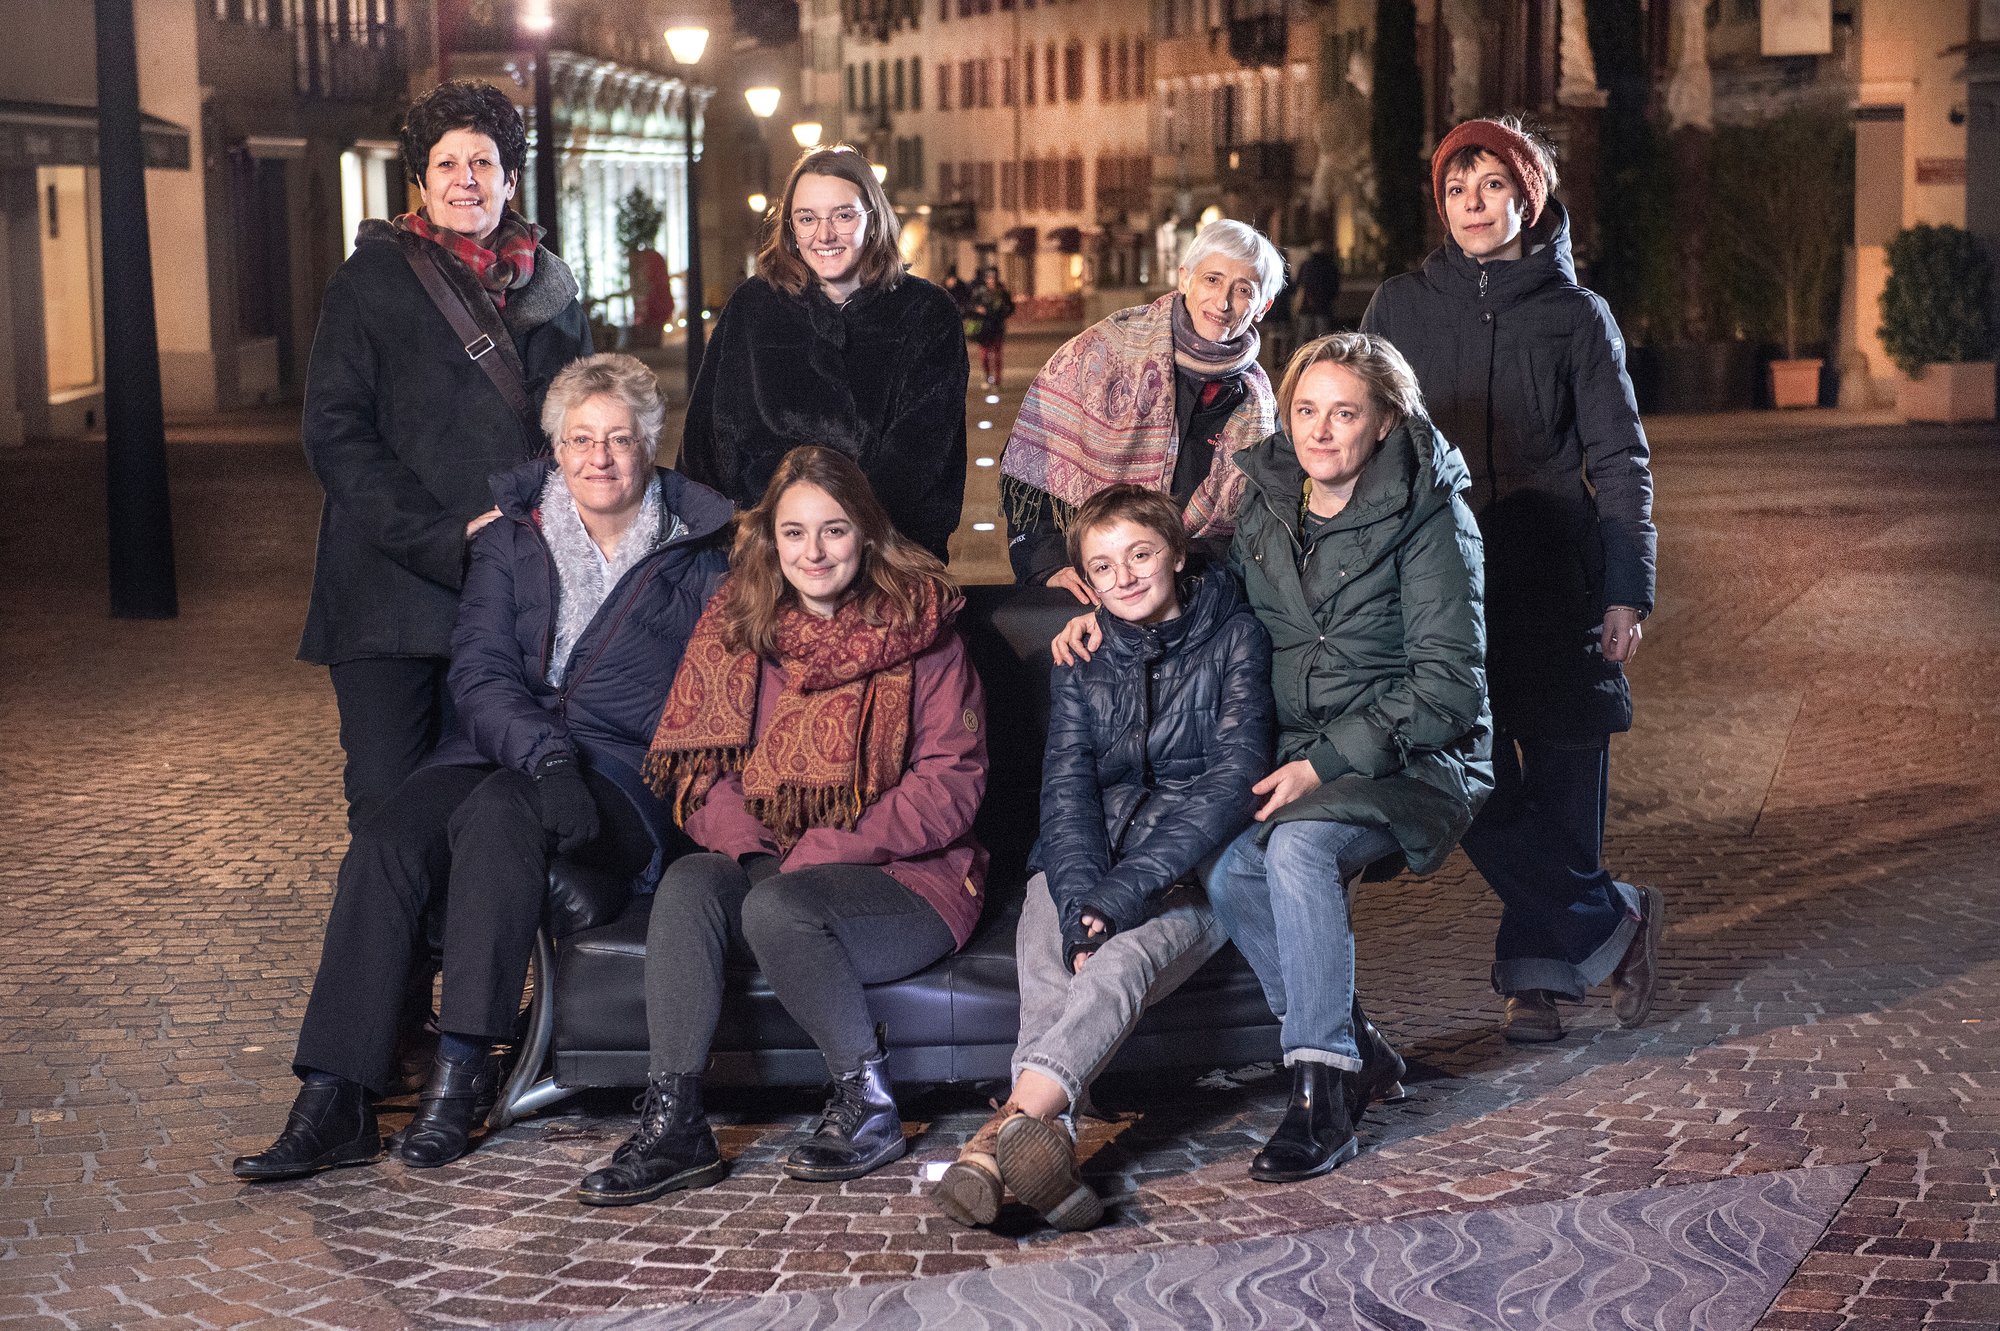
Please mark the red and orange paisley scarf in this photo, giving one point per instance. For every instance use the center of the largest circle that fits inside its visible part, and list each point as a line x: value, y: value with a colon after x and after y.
x: 839, y: 733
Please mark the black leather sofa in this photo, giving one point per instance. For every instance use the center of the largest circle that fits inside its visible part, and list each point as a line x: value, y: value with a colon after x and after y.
x: 953, y: 1022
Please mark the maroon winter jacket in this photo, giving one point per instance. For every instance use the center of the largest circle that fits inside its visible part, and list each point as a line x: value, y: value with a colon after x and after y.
x: 920, y: 830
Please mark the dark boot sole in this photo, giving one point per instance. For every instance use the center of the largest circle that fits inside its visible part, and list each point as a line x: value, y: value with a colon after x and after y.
x: 341, y: 1159
x: 842, y: 1173
x: 1039, y: 1164
x: 968, y: 1195
x: 1340, y: 1157
x: 701, y: 1176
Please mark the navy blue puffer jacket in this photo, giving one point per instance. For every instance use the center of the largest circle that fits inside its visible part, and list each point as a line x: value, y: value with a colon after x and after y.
x: 1153, y: 746
x: 622, y: 666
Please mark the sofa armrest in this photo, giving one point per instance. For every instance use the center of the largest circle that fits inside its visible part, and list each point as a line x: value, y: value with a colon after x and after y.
x: 583, y: 896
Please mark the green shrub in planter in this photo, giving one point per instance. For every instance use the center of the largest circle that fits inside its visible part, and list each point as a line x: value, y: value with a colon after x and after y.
x: 1935, y: 308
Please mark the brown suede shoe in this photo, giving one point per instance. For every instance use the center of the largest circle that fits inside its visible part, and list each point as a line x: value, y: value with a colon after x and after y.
x: 1531, y: 1018
x: 1038, y: 1161
x: 970, y: 1190
x: 1638, y: 975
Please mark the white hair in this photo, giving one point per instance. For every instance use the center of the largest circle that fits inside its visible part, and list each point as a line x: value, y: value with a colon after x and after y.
x: 1245, y: 244
x: 613, y: 375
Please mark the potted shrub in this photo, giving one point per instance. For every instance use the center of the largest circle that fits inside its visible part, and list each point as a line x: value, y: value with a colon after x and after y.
x: 639, y: 220
x: 1784, y: 192
x: 1937, y: 326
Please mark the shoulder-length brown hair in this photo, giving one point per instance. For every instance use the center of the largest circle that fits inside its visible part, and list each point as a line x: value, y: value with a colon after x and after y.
x: 881, y: 263
x: 888, y: 583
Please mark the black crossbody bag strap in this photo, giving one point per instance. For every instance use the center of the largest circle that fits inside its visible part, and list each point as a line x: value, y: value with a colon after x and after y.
x: 495, y: 356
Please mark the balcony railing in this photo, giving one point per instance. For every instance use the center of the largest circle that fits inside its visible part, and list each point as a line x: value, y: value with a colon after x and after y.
x: 357, y: 62
x: 1258, y: 41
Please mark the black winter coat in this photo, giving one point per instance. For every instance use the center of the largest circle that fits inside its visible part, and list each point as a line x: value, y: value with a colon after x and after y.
x: 1524, y: 371
x: 609, y: 703
x: 403, y: 429
x: 880, y: 378
x: 1153, y: 746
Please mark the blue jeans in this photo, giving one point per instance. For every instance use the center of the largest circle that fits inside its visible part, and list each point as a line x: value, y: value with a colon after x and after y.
x: 1539, y: 842
x: 1284, y: 905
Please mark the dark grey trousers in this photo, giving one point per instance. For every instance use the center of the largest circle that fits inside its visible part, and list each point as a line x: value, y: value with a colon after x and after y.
x: 817, y: 934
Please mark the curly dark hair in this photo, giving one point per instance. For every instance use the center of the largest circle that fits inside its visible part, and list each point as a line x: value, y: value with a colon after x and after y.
x: 463, y: 104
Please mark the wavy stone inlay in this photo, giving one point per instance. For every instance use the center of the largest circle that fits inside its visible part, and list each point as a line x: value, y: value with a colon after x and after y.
x: 1710, y: 1255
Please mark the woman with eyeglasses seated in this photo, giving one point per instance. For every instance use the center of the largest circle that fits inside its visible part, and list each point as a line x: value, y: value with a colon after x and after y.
x: 578, y: 605
x: 832, y: 343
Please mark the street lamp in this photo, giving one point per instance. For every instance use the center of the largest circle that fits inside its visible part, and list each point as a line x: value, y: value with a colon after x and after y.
x: 687, y: 44
x: 807, y: 133
x: 538, y: 20
x: 881, y: 172
x: 763, y: 101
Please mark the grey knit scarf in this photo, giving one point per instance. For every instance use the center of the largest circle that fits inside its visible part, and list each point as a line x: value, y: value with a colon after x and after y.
x: 582, y: 579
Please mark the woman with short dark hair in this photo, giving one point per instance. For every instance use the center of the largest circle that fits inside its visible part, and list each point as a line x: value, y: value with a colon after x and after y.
x: 1525, y: 371
x: 579, y: 602
x: 833, y: 343
x: 403, y: 425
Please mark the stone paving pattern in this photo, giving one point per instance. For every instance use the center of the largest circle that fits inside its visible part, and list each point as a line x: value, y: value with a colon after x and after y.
x: 1811, y: 781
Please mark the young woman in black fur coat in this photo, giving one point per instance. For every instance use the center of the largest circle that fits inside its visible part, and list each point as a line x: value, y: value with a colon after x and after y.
x: 832, y: 343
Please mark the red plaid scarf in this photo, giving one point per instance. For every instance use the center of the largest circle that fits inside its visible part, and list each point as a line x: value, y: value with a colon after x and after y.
x: 508, y: 266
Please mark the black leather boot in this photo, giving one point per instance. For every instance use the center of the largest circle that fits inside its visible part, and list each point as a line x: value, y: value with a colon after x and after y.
x: 1382, y: 1068
x: 859, y: 1130
x: 672, y: 1148
x: 456, y: 1100
x: 331, y: 1124
x: 1317, y: 1131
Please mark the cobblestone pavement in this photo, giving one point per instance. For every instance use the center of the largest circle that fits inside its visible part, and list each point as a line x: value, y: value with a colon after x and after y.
x: 1812, y: 782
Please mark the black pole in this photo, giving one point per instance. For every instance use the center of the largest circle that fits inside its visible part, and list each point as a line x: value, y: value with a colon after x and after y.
x: 696, y: 332
x: 140, y: 518
x: 546, y: 211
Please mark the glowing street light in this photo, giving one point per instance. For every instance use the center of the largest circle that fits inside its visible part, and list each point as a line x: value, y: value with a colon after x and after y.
x: 758, y: 203
x: 807, y: 133
x: 763, y: 101
x: 687, y: 44
x: 881, y: 172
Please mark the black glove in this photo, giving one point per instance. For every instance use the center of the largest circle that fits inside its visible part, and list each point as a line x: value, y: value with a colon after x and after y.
x: 1077, y: 940
x: 569, y: 814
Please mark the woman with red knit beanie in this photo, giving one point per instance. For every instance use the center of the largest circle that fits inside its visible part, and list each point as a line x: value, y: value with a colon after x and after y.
x: 1524, y: 370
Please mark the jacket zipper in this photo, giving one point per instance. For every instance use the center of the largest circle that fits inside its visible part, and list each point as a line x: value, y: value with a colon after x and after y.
x: 1145, y: 759
x: 649, y: 564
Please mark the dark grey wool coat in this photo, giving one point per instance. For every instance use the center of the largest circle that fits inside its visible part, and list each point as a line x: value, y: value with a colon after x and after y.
x: 403, y: 428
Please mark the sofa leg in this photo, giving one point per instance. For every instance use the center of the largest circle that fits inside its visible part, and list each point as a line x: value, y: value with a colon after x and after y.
x: 528, y: 1088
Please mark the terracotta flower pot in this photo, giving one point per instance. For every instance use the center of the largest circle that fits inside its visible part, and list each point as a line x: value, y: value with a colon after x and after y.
x: 1795, y: 383
x: 1948, y: 394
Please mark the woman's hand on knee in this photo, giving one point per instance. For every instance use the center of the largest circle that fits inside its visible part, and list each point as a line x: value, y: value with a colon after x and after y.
x: 1078, y: 639
x: 1283, y: 786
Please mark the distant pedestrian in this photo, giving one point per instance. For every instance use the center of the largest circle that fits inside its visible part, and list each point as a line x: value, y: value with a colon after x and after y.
x: 988, y: 308
x: 1525, y: 371
x: 1162, y: 395
x: 1319, y: 291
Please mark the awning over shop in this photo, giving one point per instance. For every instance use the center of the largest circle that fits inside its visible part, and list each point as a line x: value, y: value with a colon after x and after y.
x: 1066, y: 240
x: 60, y: 134
x: 1018, y: 240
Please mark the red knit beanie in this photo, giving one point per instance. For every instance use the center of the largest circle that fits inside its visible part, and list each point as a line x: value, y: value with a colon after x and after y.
x: 1515, y: 153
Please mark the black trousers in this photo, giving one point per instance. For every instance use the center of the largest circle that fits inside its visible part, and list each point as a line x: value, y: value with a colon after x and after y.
x: 818, y: 935
x: 393, y: 710
x: 469, y: 839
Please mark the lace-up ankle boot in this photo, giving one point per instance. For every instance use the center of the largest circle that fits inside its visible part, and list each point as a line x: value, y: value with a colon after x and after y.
x: 970, y: 1190
x: 672, y: 1148
x: 859, y: 1130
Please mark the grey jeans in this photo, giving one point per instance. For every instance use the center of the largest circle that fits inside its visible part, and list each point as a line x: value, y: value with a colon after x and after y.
x: 1071, y: 1025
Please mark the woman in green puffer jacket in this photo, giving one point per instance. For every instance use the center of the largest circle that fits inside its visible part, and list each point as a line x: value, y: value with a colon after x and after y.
x: 1362, y: 559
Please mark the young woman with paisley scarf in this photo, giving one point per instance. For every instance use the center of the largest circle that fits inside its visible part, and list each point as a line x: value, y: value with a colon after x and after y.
x: 825, y: 742
x: 1161, y: 395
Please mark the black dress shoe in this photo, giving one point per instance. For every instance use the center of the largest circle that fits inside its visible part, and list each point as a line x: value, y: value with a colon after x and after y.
x: 456, y: 1100
x: 1382, y: 1068
x: 331, y: 1124
x: 1317, y: 1131
x: 859, y: 1130
x: 672, y: 1148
